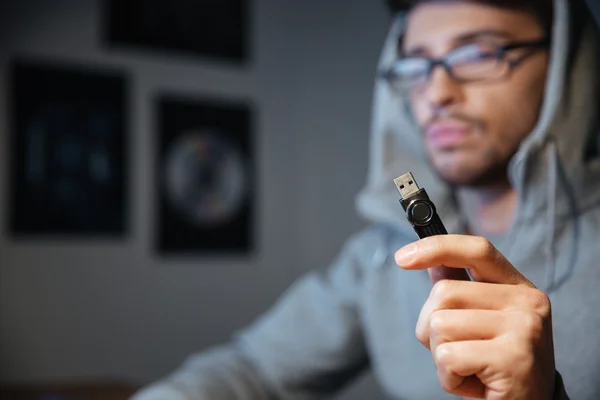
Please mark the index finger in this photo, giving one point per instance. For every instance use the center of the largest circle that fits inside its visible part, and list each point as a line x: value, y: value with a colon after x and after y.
x: 484, y: 262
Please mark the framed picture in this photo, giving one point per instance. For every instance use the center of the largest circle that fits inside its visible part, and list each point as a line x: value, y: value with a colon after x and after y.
x: 68, y: 150
x: 217, y: 29
x: 205, y: 176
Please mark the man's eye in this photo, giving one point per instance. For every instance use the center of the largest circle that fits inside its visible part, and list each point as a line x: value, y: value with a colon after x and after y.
x: 483, y: 55
x: 472, y: 54
x: 410, y: 68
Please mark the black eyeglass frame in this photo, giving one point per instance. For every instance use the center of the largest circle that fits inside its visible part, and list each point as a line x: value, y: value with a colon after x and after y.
x: 501, y: 52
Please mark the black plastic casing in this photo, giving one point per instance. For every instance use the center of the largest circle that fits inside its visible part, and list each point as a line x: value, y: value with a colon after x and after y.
x: 421, y: 213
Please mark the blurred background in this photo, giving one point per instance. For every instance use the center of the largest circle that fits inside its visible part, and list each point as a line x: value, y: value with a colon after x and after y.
x: 108, y: 278
x: 167, y: 169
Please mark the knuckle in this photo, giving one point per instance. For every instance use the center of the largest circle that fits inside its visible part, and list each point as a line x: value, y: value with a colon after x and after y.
x: 445, y: 383
x: 539, y: 302
x: 443, y: 356
x: 521, y: 357
x: 437, y: 322
x: 532, y: 324
x: 484, y: 245
x: 432, y: 243
x: 422, y: 335
x: 441, y: 289
x: 485, y: 248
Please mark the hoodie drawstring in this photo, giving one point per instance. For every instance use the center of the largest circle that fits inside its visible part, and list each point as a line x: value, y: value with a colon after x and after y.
x: 554, y: 179
x: 553, y: 176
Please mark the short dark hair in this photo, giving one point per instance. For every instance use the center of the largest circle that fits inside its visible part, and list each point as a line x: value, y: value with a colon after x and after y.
x: 543, y: 10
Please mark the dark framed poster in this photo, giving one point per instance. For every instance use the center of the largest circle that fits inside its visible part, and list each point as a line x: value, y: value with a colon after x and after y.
x: 67, y: 150
x: 204, y: 177
x: 216, y: 29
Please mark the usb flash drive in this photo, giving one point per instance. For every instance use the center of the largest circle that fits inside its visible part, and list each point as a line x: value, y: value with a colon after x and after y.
x: 420, y: 211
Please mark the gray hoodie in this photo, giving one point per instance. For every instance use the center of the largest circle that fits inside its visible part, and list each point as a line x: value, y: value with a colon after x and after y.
x: 361, y: 311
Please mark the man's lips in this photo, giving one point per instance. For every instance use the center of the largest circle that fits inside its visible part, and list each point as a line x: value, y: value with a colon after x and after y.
x: 443, y: 135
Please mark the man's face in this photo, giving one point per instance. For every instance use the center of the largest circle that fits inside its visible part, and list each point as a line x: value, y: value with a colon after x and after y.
x: 471, y: 130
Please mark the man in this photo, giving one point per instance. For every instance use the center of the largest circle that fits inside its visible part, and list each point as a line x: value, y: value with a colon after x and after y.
x: 504, y: 96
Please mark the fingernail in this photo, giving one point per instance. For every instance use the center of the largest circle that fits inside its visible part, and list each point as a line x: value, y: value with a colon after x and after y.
x: 406, y: 254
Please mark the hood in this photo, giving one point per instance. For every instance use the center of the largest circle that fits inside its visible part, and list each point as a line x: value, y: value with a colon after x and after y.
x: 556, y: 170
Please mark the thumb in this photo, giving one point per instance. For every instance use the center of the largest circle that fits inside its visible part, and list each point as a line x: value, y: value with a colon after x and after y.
x: 483, y: 261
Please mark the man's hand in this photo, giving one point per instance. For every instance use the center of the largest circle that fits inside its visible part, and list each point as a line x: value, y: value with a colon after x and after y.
x: 490, y: 338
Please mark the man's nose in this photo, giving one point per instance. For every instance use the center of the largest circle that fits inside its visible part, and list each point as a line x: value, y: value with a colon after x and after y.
x: 442, y: 91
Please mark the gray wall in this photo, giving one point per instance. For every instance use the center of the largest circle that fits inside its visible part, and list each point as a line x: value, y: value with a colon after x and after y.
x: 111, y: 309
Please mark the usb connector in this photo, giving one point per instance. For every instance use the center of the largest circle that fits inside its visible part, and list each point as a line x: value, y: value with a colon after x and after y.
x: 406, y: 185
x: 419, y: 209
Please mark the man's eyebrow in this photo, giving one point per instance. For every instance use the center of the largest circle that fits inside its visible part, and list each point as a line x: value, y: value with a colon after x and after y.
x: 467, y: 37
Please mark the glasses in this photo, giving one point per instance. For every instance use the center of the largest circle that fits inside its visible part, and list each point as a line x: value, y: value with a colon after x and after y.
x: 473, y: 62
